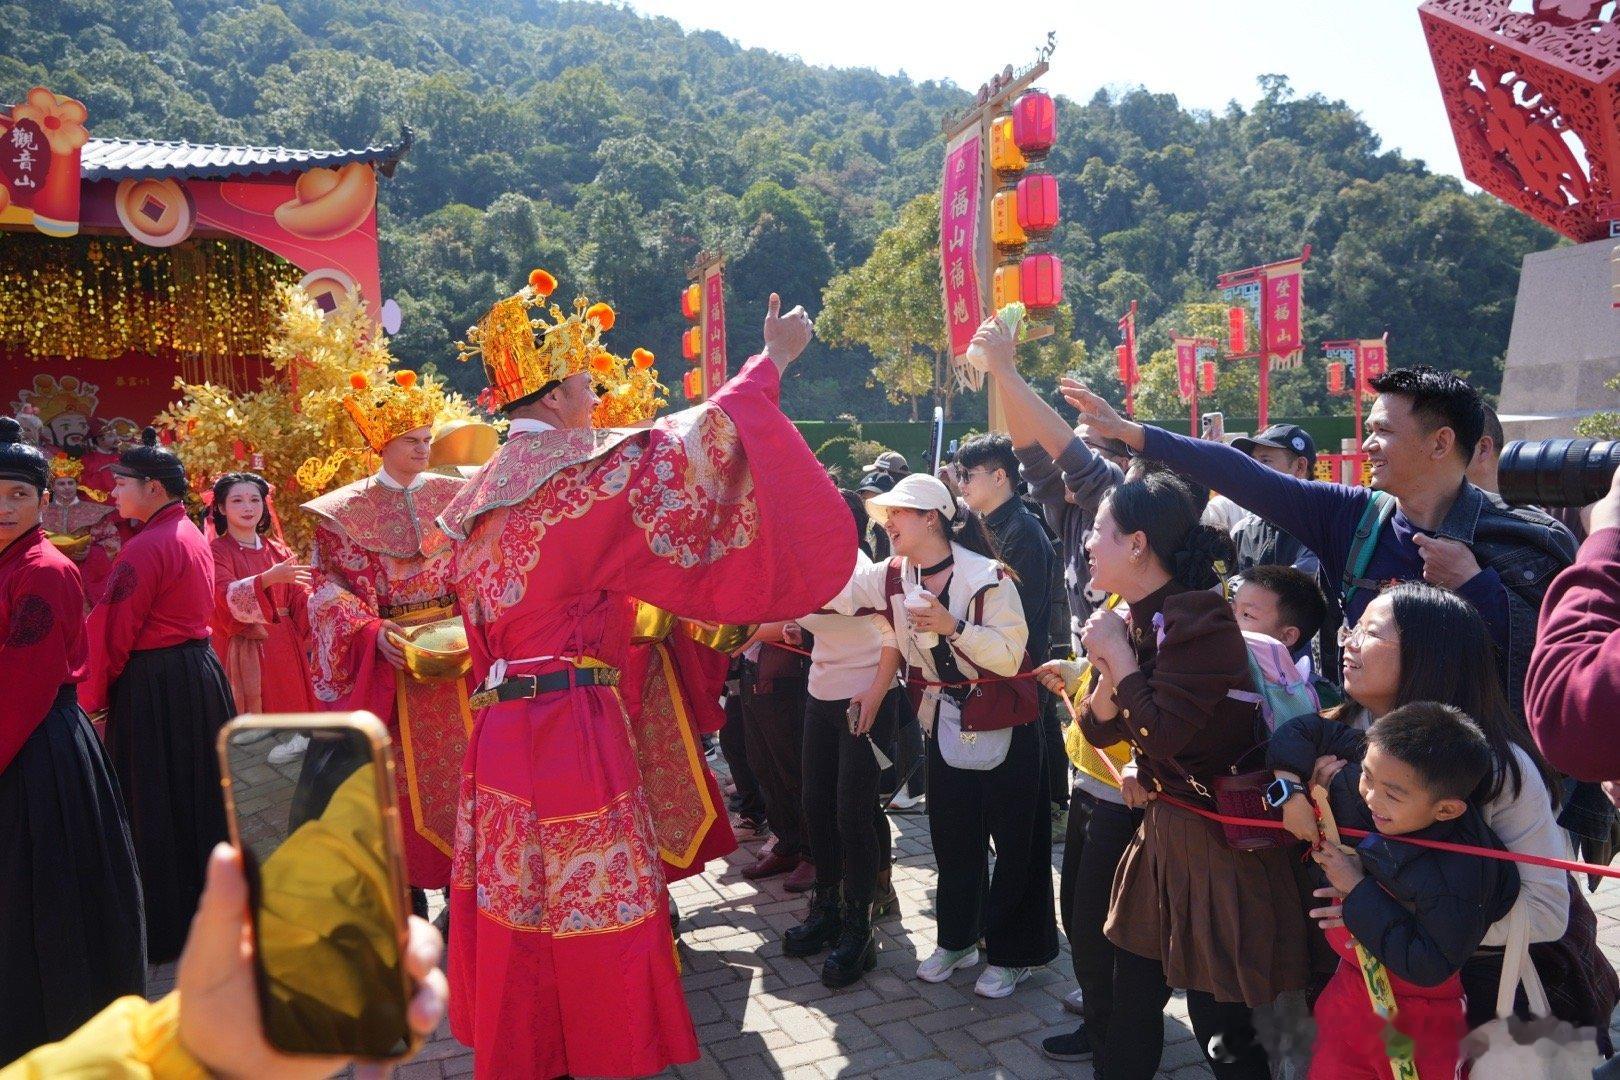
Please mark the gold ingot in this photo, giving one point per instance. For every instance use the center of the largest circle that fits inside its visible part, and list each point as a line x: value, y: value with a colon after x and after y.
x: 651, y: 624
x: 435, y: 651
x: 463, y: 442
x: 73, y: 547
x: 722, y: 638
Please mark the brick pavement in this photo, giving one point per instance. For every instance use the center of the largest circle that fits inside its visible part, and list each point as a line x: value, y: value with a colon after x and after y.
x: 760, y: 1014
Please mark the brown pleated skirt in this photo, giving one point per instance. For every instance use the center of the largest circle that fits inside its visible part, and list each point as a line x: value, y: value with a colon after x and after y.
x: 1229, y: 923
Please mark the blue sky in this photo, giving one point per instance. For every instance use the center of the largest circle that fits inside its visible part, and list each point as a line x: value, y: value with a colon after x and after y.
x: 1369, y: 53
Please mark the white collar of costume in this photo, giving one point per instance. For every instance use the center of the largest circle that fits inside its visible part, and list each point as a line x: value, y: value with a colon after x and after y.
x: 389, y: 482
x: 526, y: 424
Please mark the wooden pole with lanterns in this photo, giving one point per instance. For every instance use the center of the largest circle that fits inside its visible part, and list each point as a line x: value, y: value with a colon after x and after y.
x: 703, y: 344
x: 1014, y: 128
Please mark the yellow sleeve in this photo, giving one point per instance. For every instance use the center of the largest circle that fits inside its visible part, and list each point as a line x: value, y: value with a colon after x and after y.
x: 131, y: 1039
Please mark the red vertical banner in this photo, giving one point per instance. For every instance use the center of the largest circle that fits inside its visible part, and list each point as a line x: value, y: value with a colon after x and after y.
x: 714, y: 328
x: 40, y: 141
x: 1374, y: 360
x: 1280, y: 317
x: 961, y: 192
x: 1186, y: 367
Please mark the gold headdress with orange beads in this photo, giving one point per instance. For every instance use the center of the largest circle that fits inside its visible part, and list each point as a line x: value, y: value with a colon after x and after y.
x: 527, y: 344
x: 631, y: 393
x: 382, y: 411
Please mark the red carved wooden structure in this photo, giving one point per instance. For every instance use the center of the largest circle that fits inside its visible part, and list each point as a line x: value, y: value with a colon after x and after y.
x: 1534, y: 101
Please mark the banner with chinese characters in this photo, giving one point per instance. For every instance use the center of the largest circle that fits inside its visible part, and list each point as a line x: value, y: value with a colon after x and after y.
x: 1283, y: 299
x: 1374, y: 358
x: 40, y: 142
x: 1186, y: 367
x: 714, y: 327
x: 961, y: 196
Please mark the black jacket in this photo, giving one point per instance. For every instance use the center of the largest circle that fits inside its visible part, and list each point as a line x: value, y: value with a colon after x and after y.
x: 1025, y: 548
x: 1421, y: 911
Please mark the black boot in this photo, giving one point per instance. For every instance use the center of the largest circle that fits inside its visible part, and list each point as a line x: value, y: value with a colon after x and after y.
x: 819, y: 930
x: 885, y: 901
x: 856, y: 952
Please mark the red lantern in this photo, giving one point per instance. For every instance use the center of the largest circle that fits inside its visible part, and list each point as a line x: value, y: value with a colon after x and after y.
x: 1034, y: 124
x: 1038, y: 203
x: 692, y: 302
x: 692, y: 344
x: 692, y: 383
x: 1122, y: 358
x: 1236, y: 331
x: 1336, y: 378
x: 1040, y: 281
x: 1206, y: 372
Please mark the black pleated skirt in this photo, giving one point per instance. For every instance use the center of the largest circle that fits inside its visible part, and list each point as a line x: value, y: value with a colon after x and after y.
x: 71, y: 934
x: 164, y: 714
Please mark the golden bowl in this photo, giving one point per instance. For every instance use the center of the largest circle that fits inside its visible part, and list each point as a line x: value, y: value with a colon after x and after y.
x: 652, y: 624
x: 436, y: 651
x: 723, y: 638
x: 73, y: 547
x: 463, y: 442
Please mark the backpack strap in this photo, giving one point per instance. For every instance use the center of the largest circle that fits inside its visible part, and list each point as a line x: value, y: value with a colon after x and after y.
x: 1380, y: 508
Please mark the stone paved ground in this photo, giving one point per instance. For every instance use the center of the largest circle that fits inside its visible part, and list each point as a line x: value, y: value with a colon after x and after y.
x: 760, y: 1014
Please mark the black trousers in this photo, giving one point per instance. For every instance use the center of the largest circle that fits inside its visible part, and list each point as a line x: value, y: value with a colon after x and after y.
x: 1074, y: 842
x: 846, y: 827
x: 1135, y: 1034
x: 1011, y: 907
x: 775, y: 744
x: 1108, y: 832
x: 910, y: 757
x: 734, y: 748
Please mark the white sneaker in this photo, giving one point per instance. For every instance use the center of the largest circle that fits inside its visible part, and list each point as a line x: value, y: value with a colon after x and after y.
x: 938, y: 968
x: 289, y: 751
x: 998, y: 982
x: 902, y: 800
x: 1073, y: 1002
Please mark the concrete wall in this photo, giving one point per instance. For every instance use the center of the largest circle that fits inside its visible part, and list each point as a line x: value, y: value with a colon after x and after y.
x: 1565, y: 342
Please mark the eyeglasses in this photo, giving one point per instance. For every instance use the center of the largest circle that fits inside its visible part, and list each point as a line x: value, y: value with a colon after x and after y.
x: 964, y: 475
x: 1358, y: 634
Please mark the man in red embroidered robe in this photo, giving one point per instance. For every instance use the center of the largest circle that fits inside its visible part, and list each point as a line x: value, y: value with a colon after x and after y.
x: 562, y: 960
x: 92, y: 524
x: 374, y: 577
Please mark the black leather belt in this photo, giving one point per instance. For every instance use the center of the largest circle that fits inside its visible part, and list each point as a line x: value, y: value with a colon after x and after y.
x: 523, y: 687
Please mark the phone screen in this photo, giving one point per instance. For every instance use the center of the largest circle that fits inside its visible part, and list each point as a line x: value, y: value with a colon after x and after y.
x: 326, y: 907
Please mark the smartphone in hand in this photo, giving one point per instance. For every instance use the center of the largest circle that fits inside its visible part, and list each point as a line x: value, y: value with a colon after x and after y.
x: 323, y: 850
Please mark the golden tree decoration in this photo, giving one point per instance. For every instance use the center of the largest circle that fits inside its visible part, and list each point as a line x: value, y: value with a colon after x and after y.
x: 297, y: 413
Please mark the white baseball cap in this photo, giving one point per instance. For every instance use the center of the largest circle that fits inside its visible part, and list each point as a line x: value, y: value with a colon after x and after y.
x: 915, y: 492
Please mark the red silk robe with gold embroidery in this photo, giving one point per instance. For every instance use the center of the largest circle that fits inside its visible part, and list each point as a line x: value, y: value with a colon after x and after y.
x: 369, y: 565
x: 261, y: 632
x: 671, y: 692
x: 561, y: 956
x: 82, y: 517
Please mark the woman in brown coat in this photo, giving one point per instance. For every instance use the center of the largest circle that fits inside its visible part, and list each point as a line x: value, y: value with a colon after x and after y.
x: 1188, y: 912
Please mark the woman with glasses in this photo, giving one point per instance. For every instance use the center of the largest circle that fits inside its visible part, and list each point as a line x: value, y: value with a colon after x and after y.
x: 1416, y: 642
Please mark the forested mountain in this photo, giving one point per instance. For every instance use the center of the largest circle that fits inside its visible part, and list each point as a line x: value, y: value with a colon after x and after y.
x: 611, y: 148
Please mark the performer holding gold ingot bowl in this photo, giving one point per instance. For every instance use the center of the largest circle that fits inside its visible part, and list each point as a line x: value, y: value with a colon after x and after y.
x: 388, y: 636
x: 561, y: 959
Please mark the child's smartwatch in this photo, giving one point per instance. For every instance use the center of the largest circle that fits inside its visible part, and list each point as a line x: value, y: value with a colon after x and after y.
x: 1280, y: 791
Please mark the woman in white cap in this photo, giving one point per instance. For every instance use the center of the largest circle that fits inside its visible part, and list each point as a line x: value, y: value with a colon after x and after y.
x: 957, y: 618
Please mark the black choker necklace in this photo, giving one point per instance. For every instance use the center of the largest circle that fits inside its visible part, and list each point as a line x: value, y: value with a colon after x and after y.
x: 943, y: 564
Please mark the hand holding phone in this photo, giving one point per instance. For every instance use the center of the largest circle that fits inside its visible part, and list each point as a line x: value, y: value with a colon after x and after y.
x: 322, y: 852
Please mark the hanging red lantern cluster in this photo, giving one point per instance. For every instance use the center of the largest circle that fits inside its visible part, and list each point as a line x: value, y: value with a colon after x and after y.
x: 1034, y: 122
x: 692, y: 341
x: 1206, y: 377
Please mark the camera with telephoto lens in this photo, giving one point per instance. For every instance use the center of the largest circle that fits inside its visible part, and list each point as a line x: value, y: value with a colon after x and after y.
x: 1557, y: 472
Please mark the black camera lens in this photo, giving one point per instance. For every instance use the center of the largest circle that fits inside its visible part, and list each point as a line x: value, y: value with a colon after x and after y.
x: 1557, y: 472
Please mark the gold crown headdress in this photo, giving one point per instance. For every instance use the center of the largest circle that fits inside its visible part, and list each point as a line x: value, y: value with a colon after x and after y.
x: 631, y: 394
x: 64, y: 466
x: 385, y: 411
x: 524, y: 350
x: 51, y: 398
x: 382, y: 412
